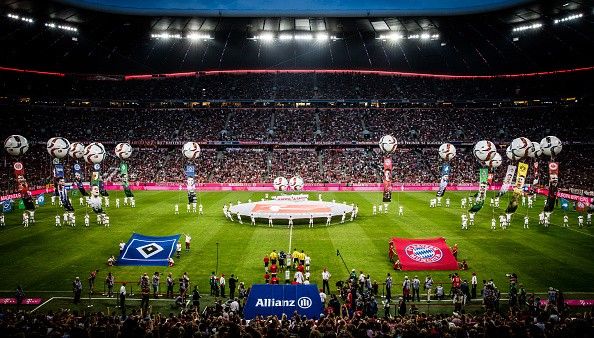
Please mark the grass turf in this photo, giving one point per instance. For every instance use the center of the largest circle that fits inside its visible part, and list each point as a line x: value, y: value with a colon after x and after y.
x: 43, y: 257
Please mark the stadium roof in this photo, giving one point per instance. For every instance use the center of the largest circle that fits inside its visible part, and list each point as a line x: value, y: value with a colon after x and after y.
x: 531, y: 37
x: 294, y: 7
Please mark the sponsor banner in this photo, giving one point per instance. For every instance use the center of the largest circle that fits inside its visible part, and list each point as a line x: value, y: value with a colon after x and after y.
x: 443, y: 183
x: 568, y: 196
x: 509, y: 176
x: 148, y: 250
x: 9, y: 197
x: 387, y: 179
x: 572, y: 302
x: 17, y: 195
x: 276, y: 300
x: 518, y: 188
x: 309, y: 187
x: 302, y: 197
x: 424, y: 254
x: 26, y: 301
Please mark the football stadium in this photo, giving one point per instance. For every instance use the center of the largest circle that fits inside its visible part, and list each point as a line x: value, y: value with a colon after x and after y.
x: 296, y: 168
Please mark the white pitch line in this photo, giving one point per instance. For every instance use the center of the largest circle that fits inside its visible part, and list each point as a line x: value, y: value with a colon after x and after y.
x: 570, y: 228
x: 42, y: 304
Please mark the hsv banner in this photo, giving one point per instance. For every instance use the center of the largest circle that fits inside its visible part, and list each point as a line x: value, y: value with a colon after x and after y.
x: 424, y: 254
x: 275, y: 300
x: 148, y: 250
x: 387, y: 179
x: 518, y: 191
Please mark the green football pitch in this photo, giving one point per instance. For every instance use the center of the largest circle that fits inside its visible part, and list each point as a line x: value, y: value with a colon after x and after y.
x: 45, y: 258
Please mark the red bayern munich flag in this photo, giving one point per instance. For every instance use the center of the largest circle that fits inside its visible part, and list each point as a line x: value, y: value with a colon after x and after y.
x: 424, y: 254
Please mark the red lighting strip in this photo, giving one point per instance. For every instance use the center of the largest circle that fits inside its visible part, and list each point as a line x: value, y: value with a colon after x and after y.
x: 355, y: 71
x: 320, y: 71
x: 17, y: 70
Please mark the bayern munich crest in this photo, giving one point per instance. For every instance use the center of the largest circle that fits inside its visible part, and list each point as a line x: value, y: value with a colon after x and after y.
x: 424, y: 253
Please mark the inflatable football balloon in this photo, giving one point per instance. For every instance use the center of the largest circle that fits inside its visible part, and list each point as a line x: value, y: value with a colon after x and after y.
x: 123, y: 151
x: 94, y: 153
x: 280, y: 183
x: 494, y: 162
x: 484, y: 150
x: 388, y: 144
x: 16, y: 145
x: 77, y: 150
x: 191, y: 150
x: 447, y: 151
x: 296, y: 183
x: 510, y: 154
x: 58, y: 147
x: 521, y: 147
x: 535, y: 151
x: 551, y: 145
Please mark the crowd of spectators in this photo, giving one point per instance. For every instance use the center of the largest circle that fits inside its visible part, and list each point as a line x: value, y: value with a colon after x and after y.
x: 353, y: 312
x: 285, y: 125
x: 327, y: 165
x: 298, y: 86
x: 249, y: 144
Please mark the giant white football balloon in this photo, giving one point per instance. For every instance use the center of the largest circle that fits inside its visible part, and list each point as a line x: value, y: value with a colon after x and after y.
x: 484, y: 150
x: 123, y: 151
x: 388, y: 144
x: 494, y: 162
x: 551, y: 145
x: 280, y: 183
x: 510, y: 154
x: 77, y: 150
x: 94, y: 153
x: 296, y: 183
x: 58, y: 147
x: 535, y: 150
x: 521, y: 147
x: 191, y: 150
x: 16, y: 145
x: 447, y: 151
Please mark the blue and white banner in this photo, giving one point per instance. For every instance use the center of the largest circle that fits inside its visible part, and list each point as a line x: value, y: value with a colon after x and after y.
x: 58, y: 170
x: 445, y: 175
x: 7, y: 206
x: 190, y: 171
x: 268, y: 300
x: 41, y: 200
x: 78, y: 172
x: 148, y: 250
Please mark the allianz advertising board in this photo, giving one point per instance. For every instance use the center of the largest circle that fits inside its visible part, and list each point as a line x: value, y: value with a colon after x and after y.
x: 268, y: 300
